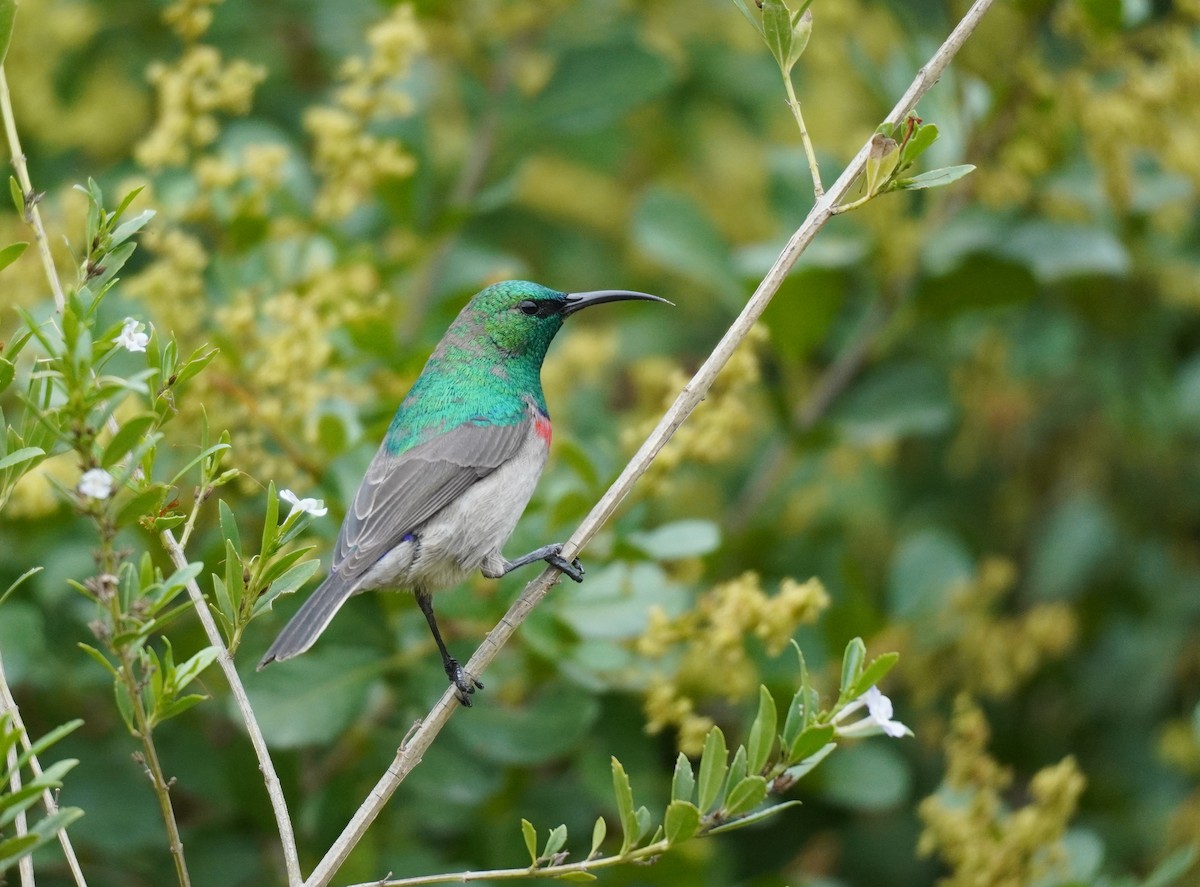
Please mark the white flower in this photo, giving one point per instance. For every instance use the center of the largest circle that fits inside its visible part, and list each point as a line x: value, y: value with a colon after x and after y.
x: 878, y: 719
x: 315, y: 507
x: 96, y: 484
x: 131, y: 337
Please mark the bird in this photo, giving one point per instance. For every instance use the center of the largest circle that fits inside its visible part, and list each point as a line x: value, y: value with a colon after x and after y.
x: 456, y: 468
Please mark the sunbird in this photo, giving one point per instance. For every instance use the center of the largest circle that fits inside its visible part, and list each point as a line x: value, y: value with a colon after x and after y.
x: 456, y: 468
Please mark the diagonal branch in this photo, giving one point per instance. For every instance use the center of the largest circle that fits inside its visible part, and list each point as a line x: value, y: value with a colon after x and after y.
x: 410, y: 752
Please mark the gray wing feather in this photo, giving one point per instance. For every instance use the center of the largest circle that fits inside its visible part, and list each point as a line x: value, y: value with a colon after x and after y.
x: 398, y: 495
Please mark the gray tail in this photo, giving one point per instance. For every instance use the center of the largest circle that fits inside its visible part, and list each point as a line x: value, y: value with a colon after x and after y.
x: 309, y: 622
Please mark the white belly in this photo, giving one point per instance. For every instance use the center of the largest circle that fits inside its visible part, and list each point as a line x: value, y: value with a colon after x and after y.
x: 457, y: 540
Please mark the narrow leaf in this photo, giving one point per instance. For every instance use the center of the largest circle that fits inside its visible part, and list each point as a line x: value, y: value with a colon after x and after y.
x: 935, y: 178
x: 852, y: 660
x: 16, y: 457
x: 739, y: 769
x: 713, y: 764
x: 925, y: 136
x: 762, y: 731
x: 625, y: 812
x: 683, y: 782
x: 13, y: 251
x: 530, y: 835
x: 576, y: 876
x: 599, y: 832
x: 127, y: 437
x: 756, y: 816
x: 874, y: 673
x: 807, y: 765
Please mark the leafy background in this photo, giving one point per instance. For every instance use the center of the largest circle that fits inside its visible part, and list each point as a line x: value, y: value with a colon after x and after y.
x: 971, y: 413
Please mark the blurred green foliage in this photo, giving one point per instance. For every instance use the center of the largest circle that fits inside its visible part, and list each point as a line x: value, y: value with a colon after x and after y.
x: 971, y: 412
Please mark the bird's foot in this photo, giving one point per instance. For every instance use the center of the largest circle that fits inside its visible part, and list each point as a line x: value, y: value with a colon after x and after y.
x: 573, y: 570
x: 465, y: 684
x: 551, y: 554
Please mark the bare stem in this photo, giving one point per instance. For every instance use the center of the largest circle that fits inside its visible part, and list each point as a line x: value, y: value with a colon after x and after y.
x: 9, y: 704
x: 32, y: 215
x: 410, y: 752
x: 555, y: 871
x: 145, y: 735
x: 287, y: 838
x: 805, y: 139
x: 25, y: 863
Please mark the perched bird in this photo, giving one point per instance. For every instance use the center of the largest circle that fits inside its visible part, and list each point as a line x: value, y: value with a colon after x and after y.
x: 456, y: 469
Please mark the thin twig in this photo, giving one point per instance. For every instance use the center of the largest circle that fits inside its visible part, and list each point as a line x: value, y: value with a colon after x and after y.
x: 25, y: 863
x: 409, y: 754
x: 283, y: 821
x: 32, y: 215
x: 7, y: 702
x: 586, y: 866
x: 809, y: 152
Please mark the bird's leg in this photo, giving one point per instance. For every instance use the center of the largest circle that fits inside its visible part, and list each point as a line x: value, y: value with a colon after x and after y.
x: 463, y: 683
x: 551, y: 554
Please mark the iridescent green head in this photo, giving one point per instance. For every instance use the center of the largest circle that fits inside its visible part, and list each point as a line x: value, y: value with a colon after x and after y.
x: 521, y: 318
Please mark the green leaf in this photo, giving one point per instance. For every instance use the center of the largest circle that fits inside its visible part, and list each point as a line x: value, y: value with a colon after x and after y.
x: 530, y: 835
x: 683, y: 782
x: 13, y: 251
x: 745, y: 795
x: 32, y: 571
x: 555, y: 842
x: 713, y: 765
x: 924, y: 136
x: 144, y: 503
x: 928, y: 568
x: 599, y: 832
x: 623, y: 792
x: 576, y: 876
x: 808, y: 764
x: 739, y: 768
x: 127, y: 229
x: 752, y: 818
x: 682, y: 821
x: 8, y: 372
x: 17, y: 457
x: 777, y: 31
x: 14, y: 848
x: 873, y: 674
x: 43, y: 743
x: 127, y: 437
x: 99, y: 657
x: 18, y: 196
x: 762, y: 731
x: 810, y: 741
x: 286, y: 584
x: 852, y: 660
x: 935, y: 178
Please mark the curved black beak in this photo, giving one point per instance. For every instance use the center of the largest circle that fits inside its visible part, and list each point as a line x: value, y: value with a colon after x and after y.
x: 579, y: 301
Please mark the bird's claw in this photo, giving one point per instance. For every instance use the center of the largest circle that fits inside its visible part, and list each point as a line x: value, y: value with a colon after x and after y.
x: 464, y: 684
x: 574, y: 569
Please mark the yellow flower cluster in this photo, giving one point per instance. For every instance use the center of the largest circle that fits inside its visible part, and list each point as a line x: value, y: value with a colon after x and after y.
x: 190, y: 18
x: 986, y: 654
x: 190, y: 93
x: 707, y: 647
x: 173, y: 283
x: 715, y: 430
x: 249, y: 179
x: 980, y: 838
x: 352, y: 160
x: 282, y: 370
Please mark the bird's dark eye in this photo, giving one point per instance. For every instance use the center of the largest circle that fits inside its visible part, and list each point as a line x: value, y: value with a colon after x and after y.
x: 529, y: 307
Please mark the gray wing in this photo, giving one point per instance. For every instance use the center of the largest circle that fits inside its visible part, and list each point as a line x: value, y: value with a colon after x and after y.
x: 401, y: 492
x: 397, y: 496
